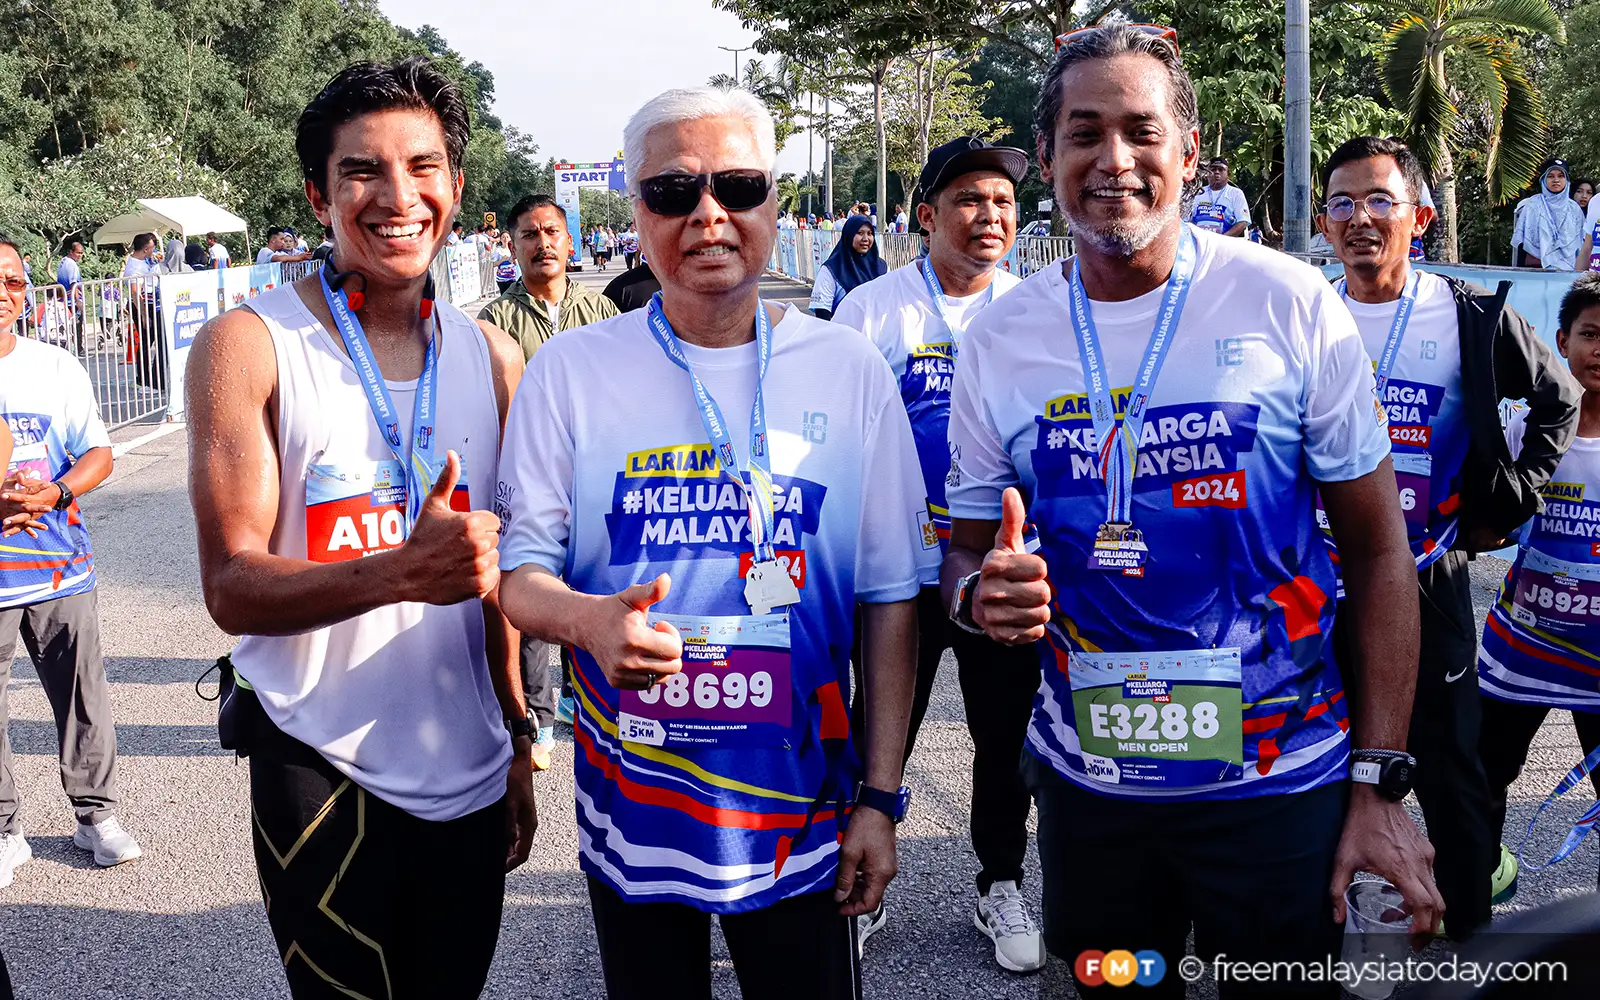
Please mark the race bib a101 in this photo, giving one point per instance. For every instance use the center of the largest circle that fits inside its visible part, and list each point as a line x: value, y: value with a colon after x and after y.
x: 733, y: 691
x: 359, y: 509
x: 1168, y: 719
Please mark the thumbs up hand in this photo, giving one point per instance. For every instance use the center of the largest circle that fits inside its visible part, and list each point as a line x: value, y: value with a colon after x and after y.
x: 455, y: 553
x: 1012, y: 600
x: 631, y: 652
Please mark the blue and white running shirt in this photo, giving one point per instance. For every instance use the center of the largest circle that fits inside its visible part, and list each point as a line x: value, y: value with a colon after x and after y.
x: 897, y: 314
x: 1266, y: 389
x: 1541, y: 642
x: 607, y: 479
x: 46, y: 397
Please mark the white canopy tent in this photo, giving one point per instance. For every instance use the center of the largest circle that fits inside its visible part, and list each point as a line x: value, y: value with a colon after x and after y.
x: 184, y: 217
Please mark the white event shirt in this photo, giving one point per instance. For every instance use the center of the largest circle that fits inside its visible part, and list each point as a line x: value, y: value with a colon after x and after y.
x: 897, y: 314
x: 1266, y: 389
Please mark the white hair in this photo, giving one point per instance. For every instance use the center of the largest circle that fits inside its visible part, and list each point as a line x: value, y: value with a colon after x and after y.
x: 691, y: 104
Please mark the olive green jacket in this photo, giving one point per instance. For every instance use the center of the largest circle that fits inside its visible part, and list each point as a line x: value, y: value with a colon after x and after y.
x: 528, y: 319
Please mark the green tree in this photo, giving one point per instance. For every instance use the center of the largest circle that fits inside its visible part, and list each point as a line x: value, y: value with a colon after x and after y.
x: 1428, y: 45
x: 1570, y: 72
x: 854, y: 42
x: 929, y: 98
x: 776, y: 92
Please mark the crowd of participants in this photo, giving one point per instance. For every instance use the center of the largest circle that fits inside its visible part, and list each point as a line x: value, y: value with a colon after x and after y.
x: 1194, y: 522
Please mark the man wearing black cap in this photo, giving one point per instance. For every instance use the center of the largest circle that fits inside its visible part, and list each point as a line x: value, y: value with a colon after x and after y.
x: 915, y: 315
x: 1220, y: 207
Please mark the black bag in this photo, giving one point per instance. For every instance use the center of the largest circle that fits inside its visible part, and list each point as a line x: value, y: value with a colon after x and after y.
x: 238, y: 709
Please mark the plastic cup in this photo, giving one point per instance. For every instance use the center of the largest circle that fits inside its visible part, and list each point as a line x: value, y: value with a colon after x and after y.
x: 1377, y: 932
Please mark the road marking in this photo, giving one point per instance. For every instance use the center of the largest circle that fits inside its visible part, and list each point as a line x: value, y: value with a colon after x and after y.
x: 119, y: 450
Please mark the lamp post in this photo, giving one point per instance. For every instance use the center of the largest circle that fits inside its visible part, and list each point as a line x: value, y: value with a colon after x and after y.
x: 1297, y: 127
x: 736, y: 52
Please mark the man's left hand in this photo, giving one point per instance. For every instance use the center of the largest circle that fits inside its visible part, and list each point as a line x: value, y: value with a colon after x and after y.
x: 866, y: 862
x: 22, y: 500
x: 522, y: 811
x: 1379, y: 837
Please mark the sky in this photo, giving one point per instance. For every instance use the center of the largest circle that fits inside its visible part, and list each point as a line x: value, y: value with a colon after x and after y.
x: 546, y: 54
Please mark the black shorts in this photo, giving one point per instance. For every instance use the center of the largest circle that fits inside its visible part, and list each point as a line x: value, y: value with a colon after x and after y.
x: 1249, y: 875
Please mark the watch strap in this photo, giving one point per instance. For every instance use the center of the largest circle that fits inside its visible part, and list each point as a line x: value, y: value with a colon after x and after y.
x: 521, y: 727
x: 65, y: 499
x: 961, y: 603
x: 891, y: 804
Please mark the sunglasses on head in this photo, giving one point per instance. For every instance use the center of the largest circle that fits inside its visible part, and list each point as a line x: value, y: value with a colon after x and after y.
x: 1159, y: 30
x: 678, y: 194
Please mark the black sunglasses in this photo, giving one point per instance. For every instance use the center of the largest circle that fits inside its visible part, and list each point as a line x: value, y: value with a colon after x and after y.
x: 678, y: 194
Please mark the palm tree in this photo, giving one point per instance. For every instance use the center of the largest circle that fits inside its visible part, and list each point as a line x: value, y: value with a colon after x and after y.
x: 1477, y: 35
x: 775, y: 91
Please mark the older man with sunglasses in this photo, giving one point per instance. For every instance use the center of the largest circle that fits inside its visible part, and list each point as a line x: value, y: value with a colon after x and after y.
x: 1447, y: 353
x: 697, y: 496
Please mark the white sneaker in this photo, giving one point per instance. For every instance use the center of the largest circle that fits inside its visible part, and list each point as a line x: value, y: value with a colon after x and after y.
x: 1003, y: 915
x: 111, y: 844
x: 868, y: 924
x: 14, y: 853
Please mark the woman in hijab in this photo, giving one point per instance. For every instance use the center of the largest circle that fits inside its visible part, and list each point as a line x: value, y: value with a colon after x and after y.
x: 854, y: 261
x: 172, y: 262
x: 196, y: 257
x: 1549, y: 226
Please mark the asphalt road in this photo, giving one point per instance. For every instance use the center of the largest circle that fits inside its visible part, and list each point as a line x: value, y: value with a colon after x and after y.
x: 187, y: 921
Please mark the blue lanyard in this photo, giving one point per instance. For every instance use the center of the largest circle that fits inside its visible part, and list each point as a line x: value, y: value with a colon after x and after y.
x: 936, y: 291
x: 758, y: 488
x: 1581, y: 828
x: 1397, y: 329
x: 1119, y: 445
x: 422, y: 468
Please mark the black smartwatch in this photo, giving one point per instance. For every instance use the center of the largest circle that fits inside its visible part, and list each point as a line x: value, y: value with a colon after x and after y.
x: 65, y: 499
x: 891, y: 804
x: 961, y: 603
x: 521, y: 727
x: 1392, y: 771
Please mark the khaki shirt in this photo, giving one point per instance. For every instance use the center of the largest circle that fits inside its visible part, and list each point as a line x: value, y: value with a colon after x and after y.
x: 528, y: 319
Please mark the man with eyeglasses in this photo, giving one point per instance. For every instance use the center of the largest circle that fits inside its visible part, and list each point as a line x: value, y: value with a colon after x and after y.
x: 915, y: 316
x: 48, y: 589
x: 1162, y: 408
x: 698, y: 496
x: 1447, y: 353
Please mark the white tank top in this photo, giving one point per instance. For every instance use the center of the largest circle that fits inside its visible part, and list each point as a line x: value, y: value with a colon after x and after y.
x: 399, y: 699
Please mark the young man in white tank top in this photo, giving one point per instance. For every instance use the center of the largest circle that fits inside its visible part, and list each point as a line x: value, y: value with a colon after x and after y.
x: 346, y: 431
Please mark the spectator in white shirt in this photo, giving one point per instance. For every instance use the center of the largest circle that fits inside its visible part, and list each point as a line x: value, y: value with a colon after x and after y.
x: 280, y: 248
x: 216, y: 251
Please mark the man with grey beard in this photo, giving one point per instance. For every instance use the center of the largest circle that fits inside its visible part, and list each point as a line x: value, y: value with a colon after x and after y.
x: 1170, y: 402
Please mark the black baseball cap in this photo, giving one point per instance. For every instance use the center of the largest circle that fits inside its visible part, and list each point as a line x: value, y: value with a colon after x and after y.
x: 963, y: 156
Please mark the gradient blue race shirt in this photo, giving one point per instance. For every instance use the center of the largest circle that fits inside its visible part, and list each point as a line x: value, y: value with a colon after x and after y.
x: 1211, y: 676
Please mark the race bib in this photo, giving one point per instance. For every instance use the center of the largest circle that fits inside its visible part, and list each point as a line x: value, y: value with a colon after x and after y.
x: 1169, y: 719
x: 360, y: 510
x: 1556, y: 595
x: 1413, y: 473
x: 733, y: 691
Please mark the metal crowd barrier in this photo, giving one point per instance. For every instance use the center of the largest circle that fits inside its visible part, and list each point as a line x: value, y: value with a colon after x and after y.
x: 797, y: 253
x: 486, y: 280
x: 297, y: 269
x: 113, y: 327
x: 117, y: 327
